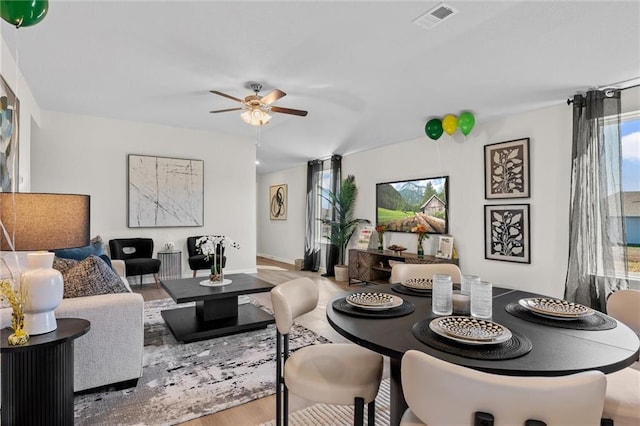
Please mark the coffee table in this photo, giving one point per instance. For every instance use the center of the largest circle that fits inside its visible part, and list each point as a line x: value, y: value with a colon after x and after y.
x: 216, y: 312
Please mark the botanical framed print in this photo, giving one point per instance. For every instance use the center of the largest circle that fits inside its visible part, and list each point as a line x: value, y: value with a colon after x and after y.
x: 278, y: 202
x: 506, y: 169
x: 165, y: 192
x: 9, y: 115
x: 506, y: 233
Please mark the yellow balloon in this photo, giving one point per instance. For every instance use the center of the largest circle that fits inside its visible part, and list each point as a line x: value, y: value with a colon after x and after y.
x: 450, y: 124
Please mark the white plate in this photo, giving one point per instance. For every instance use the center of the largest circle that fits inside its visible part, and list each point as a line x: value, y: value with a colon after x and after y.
x: 418, y: 284
x: 473, y: 332
x: 555, y: 308
x: 374, y: 301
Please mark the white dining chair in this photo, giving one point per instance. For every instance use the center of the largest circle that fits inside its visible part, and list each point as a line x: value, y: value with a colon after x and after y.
x: 622, y: 401
x: 333, y: 373
x: 403, y: 271
x: 440, y: 393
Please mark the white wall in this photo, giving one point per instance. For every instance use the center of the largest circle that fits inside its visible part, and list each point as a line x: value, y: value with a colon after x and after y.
x: 281, y: 239
x: 549, y: 131
x: 88, y: 155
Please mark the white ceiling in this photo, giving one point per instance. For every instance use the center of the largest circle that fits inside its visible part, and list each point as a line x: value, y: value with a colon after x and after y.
x: 365, y: 73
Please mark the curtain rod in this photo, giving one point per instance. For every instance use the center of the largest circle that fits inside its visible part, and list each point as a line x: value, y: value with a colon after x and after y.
x: 622, y: 85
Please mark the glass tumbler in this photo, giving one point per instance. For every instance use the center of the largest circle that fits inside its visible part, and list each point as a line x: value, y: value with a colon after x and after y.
x: 465, y: 284
x: 442, y: 294
x: 481, y: 300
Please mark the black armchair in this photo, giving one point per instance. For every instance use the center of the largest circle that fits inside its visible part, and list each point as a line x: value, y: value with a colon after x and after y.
x: 196, y: 258
x: 136, y: 253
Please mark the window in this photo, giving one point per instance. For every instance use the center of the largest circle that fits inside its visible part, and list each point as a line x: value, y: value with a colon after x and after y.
x: 630, y: 187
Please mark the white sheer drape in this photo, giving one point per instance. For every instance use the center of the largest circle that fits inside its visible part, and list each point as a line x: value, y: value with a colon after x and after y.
x: 597, y: 256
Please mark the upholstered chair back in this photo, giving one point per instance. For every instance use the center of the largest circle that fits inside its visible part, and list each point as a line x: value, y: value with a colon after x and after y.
x: 624, y: 305
x: 403, y: 271
x: 442, y: 393
x: 131, y: 248
x: 292, y: 299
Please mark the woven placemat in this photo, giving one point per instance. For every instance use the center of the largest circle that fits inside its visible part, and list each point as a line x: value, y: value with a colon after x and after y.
x: 596, y: 322
x: 399, y: 288
x: 342, y: 306
x: 515, y: 347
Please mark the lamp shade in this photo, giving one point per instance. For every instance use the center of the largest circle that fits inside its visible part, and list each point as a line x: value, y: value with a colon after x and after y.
x: 36, y: 221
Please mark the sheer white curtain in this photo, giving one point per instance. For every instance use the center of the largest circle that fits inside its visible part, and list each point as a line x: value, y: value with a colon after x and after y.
x: 597, y: 256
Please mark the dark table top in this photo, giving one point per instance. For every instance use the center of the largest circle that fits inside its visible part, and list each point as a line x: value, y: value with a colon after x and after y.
x: 67, y: 329
x: 556, y: 351
x: 189, y: 290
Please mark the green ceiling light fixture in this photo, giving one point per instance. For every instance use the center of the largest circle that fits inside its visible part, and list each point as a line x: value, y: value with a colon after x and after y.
x: 23, y: 13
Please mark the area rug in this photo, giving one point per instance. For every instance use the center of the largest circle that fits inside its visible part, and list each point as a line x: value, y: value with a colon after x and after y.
x: 340, y: 415
x: 181, y: 382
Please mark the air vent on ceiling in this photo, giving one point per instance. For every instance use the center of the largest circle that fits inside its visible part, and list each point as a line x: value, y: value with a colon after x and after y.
x: 434, y: 16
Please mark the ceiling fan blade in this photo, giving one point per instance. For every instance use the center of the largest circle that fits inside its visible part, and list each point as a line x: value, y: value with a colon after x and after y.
x: 272, y: 96
x: 289, y: 111
x: 226, y: 110
x: 226, y: 96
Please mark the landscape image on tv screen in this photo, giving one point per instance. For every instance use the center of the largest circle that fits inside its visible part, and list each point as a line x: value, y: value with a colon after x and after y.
x: 404, y: 204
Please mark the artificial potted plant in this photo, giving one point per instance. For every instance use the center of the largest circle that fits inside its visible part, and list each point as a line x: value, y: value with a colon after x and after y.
x: 345, y: 224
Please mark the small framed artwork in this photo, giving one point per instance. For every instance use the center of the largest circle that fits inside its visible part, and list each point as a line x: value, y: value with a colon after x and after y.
x: 506, y: 233
x: 278, y: 202
x: 506, y: 169
x: 445, y: 248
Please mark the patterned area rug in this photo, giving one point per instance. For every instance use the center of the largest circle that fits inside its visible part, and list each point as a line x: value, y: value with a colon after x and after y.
x: 340, y: 415
x: 181, y: 382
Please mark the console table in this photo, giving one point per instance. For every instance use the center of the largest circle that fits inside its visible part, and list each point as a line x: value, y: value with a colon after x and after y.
x: 37, y: 378
x: 373, y: 265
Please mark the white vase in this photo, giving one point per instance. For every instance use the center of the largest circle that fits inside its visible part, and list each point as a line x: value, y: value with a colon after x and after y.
x: 43, y: 290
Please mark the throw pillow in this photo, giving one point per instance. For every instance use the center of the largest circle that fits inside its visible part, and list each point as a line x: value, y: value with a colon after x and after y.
x: 63, y: 265
x: 94, y: 248
x: 91, y: 277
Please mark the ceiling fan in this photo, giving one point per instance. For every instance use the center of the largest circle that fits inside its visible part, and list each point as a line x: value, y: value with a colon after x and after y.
x: 257, y: 108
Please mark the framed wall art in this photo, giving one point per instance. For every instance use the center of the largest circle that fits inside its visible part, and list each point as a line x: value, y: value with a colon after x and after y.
x: 9, y: 142
x: 506, y: 233
x: 506, y: 169
x: 165, y: 192
x: 278, y: 202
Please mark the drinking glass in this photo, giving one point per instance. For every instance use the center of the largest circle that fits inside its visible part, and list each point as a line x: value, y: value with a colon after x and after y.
x: 441, y: 295
x: 465, y: 284
x: 481, y: 299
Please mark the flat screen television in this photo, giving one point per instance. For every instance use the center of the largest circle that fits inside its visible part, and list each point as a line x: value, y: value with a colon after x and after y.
x: 402, y: 204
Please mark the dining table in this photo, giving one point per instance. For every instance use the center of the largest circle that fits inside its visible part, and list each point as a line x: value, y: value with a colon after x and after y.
x: 539, y: 346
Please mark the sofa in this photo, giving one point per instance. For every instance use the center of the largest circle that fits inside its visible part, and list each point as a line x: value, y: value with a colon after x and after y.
x: 111, y: 352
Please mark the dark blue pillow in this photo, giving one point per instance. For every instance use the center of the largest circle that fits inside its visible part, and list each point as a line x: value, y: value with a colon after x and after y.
x: 81, y: 253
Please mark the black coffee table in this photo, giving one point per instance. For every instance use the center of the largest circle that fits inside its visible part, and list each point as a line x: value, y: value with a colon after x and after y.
x: 216, y: 312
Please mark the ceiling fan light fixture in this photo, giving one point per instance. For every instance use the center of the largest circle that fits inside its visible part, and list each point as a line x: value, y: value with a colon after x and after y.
x: 255, y: 117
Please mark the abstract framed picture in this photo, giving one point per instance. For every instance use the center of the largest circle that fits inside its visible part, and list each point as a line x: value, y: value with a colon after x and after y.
x: 278, y: 202
x: 165, y: 192
x: 506, y: 169
x: 506, y: 233
x: 9, y: 141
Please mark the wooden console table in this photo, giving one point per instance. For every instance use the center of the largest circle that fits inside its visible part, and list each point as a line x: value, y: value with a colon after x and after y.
x: 373, y: 265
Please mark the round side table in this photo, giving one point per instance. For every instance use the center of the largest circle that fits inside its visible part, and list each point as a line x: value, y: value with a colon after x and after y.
x: 37, y: 378
x: 171, y: 266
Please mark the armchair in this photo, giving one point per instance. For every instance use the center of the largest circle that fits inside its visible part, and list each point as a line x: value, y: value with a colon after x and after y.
x: 196, y: 258
x: 136, y: 253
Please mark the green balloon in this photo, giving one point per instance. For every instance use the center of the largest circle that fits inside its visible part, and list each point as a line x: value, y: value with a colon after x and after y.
x: 466, y: 121
x: 23, y: 13
x: 433, y: 128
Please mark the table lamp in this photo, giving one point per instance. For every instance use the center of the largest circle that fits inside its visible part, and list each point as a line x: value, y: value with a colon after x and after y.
x: 36, y: 221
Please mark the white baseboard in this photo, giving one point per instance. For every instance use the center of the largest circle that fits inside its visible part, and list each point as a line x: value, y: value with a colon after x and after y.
x: 278, y: 259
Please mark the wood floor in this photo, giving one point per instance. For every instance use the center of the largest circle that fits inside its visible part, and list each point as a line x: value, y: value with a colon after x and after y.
x: 263, y: 410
